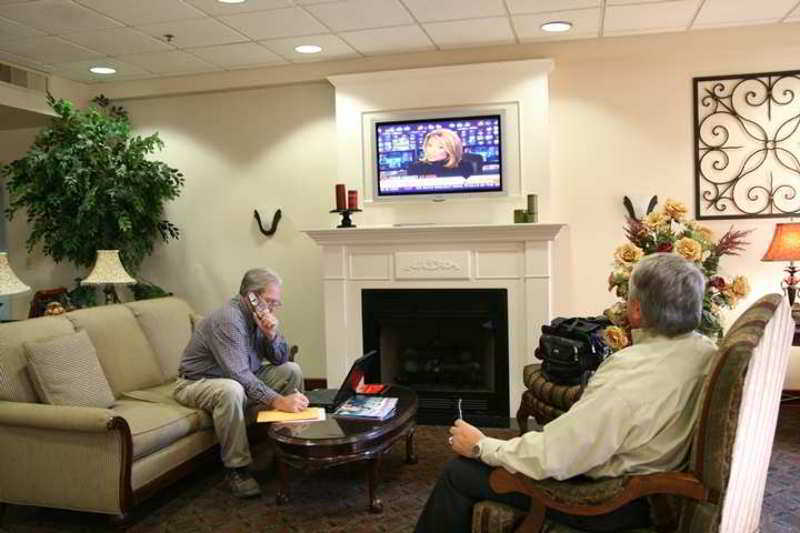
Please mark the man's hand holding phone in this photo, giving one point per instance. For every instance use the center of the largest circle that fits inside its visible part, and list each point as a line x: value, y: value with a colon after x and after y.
x: 265, y: 320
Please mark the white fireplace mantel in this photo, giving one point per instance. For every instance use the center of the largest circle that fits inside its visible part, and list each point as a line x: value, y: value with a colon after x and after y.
x: 515, y: 257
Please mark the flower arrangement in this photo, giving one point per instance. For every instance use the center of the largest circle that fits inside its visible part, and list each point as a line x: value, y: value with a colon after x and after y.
x: 668, y: 230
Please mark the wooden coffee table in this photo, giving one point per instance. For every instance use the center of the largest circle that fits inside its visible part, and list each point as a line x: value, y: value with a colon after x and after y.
x: 340, y: 440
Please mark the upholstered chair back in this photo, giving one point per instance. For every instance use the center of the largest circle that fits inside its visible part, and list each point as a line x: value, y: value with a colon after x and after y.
x: 733, y: 442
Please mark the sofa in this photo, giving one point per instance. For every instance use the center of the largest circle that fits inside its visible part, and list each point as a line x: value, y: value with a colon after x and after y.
x: 102, y: 460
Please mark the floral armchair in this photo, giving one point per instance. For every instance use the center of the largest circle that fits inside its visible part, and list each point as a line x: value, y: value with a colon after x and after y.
x: 723, y: 488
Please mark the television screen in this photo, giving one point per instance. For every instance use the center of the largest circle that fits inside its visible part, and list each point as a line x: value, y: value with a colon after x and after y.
x: 438, y: 156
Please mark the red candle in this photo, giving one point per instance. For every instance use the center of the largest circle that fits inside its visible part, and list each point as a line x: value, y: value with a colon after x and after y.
x: 341, y: 196
x: 352, y: 199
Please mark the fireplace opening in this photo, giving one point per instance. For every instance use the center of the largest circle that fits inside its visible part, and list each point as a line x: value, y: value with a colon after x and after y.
x: 446, y: 344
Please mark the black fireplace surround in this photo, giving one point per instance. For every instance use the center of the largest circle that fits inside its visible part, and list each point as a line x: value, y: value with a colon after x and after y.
x: 446, y: 344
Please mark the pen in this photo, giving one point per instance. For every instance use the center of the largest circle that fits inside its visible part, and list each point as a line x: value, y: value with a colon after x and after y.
x: 460, y: 414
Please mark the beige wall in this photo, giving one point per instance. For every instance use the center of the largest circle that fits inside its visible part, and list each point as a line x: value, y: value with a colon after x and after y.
x: 264, y: 149
x: 621, y: 114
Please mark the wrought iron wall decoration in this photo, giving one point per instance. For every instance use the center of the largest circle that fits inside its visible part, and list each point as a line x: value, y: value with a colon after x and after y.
x: 747, y: 145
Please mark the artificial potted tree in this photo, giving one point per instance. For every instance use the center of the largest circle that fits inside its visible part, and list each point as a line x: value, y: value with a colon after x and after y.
x: 88, y: 184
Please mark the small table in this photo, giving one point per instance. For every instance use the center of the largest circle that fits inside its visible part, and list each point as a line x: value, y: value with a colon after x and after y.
x: 339, y: 440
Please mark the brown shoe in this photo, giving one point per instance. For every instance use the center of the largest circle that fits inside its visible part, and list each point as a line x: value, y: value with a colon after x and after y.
x: 242, y: 484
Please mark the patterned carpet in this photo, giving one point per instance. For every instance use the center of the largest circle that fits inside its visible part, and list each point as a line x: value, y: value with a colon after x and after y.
x: 336, y: 500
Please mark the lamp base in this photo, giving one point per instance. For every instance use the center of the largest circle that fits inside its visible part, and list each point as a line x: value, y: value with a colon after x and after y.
x: 110, y: 292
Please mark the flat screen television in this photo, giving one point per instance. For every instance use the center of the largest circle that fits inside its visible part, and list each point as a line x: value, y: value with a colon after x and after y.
x: 439, y: 156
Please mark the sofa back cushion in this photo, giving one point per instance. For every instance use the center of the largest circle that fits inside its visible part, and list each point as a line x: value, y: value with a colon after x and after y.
x: 167, y: 326
x: 15, y: 383
x: 126, y: 356
x: 65, y: 371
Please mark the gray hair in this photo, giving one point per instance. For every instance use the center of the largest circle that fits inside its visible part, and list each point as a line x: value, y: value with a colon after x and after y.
x: 257, y: 279
x: 670, y: 291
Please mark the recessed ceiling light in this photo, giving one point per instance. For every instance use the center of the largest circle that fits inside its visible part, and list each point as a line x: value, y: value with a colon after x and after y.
x: 308, y: 49
x: 231, y: 1
x: 557, y: 26
x: 103, y: 70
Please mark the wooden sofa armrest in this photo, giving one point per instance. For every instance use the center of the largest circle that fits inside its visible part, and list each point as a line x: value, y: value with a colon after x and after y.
x: 59, y: 417
x: 679, y: 483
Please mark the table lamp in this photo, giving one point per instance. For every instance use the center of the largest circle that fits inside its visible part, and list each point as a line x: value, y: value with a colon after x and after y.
x: 9, y: 282
x: 108, y: 271
x: 785, y: 246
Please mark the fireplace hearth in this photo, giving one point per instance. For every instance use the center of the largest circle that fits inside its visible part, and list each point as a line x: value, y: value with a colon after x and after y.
x: 447, y: 345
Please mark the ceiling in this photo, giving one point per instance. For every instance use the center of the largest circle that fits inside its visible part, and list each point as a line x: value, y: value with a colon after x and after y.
x: 66, y: 37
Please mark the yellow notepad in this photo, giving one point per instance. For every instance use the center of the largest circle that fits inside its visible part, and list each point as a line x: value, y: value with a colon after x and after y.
x: 309, y: 415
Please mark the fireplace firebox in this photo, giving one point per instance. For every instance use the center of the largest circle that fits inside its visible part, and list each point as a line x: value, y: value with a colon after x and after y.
x: 447, y: 345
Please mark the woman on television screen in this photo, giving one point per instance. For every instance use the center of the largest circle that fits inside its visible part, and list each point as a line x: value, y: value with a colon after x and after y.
x: 443, y: 155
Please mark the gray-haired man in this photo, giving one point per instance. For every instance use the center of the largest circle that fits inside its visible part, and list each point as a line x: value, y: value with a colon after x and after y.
x: 236, y: 357
x: 635, y: 416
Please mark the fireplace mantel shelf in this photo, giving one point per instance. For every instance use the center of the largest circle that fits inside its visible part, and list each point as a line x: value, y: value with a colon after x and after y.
x: 436, y: 233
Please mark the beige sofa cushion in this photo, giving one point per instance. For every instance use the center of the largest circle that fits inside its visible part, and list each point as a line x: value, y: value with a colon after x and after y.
x: 127, y: 359
x: 155, y: 426
x: 65, y: 371
x: 166, y: 324
x: 15, y: 383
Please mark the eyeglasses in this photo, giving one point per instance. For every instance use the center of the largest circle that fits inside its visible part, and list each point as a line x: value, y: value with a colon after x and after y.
x: 273, y: 304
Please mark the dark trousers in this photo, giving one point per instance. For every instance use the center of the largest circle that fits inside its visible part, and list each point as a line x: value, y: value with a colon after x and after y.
x: 464, y: 482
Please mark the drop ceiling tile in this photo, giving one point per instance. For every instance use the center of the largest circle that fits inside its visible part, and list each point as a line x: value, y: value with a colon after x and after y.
x: 137, y: 12
x: 10, y: 31
x: 312, y: 2
x: 79, y: 70
x: 194, y: 33
x: 735, y: 12
x: 169, y: 63
x: 585, y: 24
x: 627, y: 2
x: 332, y: 48
x: 441, y: 10
x: 49, y: 50
x: 388, y: 40
x: 361, y: 14
x: 56, y: 16
x: 13, y: 59
x: 475, y: 32
x: 237, y: 55
x: 648, y: 18
x: 117, y: 42
x: 275, y: 24
x: 217, y: 8
x: 518, y: 7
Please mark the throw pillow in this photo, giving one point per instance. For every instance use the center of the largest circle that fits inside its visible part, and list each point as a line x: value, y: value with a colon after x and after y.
x: 65, y: 371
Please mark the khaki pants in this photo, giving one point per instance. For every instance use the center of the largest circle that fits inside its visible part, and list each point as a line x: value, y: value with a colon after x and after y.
x: 226, y: 401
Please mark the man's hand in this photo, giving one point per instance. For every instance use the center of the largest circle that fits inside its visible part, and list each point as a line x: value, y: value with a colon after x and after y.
x: 267, y: 323
x: 464, y: 438
x: 291, y: 403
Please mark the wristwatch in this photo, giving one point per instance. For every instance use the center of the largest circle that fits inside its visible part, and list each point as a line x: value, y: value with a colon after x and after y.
x: 476, y: 450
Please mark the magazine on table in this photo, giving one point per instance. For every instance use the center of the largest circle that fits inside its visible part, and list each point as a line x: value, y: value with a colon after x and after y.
x: 368, y: 407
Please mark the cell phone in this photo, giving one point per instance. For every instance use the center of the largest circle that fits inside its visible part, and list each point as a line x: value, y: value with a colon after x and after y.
x: 256, y: 303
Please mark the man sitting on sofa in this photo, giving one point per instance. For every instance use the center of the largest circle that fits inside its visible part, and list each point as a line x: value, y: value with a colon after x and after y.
x: 635, y: 416
x: 237, y: 356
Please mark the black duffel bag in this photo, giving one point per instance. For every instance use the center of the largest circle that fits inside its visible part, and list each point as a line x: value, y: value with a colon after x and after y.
x: 572, y: 348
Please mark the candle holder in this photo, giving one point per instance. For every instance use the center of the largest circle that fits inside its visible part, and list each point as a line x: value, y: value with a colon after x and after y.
x: 346, y: 222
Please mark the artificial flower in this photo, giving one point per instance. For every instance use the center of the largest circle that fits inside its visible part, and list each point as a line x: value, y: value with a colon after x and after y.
x: 655, y: 219
x: 675, y: 210
x: 689, y: 249
x: 618, y: 314
x: 616, y: 338
x: 628, y: 254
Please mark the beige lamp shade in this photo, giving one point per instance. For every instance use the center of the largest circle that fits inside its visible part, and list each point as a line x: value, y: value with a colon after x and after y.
x: 108, y: 269
x: 9, y: 282
x: 785, y: 245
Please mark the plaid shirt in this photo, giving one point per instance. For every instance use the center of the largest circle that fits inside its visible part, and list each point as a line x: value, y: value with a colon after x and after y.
x: 228, y: 344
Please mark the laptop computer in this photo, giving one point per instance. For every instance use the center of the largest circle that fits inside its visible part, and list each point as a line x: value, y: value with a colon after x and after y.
x: 331, y: 399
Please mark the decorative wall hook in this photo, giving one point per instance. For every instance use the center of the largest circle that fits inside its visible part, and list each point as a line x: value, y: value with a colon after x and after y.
x: 275, y: 219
